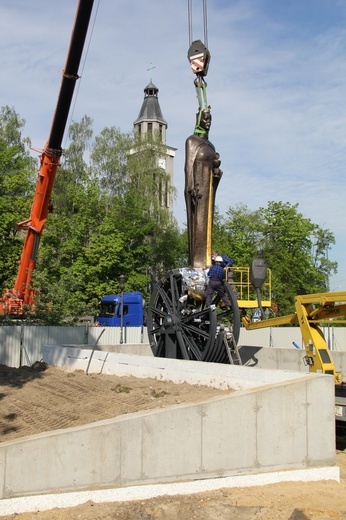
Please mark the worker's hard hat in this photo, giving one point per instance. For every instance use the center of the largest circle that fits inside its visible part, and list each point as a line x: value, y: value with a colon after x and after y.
x: 218, y: 259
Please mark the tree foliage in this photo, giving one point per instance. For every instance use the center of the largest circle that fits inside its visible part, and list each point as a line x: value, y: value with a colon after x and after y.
x: 17, y: 177
x: 296, y: 250
x: 107, y: 221
x: 110, y: 218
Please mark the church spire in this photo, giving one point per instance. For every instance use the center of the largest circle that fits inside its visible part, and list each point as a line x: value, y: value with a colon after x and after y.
x: 150, y: 117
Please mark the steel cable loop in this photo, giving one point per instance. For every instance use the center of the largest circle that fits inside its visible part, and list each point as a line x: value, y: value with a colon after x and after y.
x: 82, y: 70
x: 205, y: 22
x: 189, y: 15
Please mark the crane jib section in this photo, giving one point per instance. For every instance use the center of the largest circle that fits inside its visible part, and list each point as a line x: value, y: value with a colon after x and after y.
x: 22, y: 292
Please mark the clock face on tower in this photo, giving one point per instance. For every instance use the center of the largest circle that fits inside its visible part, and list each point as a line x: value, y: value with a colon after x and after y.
x: 162, y: 163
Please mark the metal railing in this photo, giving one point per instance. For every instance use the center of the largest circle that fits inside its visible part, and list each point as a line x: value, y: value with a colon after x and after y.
x: 239, y: 279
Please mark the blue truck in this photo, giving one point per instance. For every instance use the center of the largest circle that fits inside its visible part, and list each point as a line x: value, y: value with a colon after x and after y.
x: 127, y: 310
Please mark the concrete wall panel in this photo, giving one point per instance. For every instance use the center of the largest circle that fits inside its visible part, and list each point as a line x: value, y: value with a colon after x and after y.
x: 112, y: 335
x: 281, y: 420
x: 273, y: 337
x: 229, y: 427
x: 62, y: 460
x: 176, y: 370
x: 172, y: 444
x: 283, y: 337
x: 288, y: 358
x: 10, y: 346
x: 320, y: 419
x: 37, y: 336
x: 281, y: 423
x: 285, y: 359
x: 14, y: 352
x: 339, y: 359
x: 131, y: 448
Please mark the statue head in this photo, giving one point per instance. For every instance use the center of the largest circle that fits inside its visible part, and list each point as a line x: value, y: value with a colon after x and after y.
x: 203, y: 121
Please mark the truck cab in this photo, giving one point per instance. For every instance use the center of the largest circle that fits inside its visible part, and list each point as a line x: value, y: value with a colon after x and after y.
x: 116, y: 310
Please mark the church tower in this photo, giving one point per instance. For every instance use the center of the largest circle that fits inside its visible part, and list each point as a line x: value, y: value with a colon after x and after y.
x: 150, y: 119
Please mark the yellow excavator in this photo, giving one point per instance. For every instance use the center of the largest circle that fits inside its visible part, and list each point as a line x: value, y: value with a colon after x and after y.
x: 311, y: 311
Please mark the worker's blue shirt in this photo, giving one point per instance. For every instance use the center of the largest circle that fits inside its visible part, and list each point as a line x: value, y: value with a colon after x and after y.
x: 216, y: 271
x: 226, y: 261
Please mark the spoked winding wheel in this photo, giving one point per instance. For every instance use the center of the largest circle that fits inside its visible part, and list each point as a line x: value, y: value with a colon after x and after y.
x: 180, y: 326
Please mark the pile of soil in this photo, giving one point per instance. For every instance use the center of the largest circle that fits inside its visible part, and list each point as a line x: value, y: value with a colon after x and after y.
x: 42, y: 398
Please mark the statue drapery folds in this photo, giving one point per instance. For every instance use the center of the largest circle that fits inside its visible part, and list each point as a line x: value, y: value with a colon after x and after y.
x: 202, y: 176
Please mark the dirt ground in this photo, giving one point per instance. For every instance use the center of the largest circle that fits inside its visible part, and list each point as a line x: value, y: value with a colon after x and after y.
x: 44, y: 398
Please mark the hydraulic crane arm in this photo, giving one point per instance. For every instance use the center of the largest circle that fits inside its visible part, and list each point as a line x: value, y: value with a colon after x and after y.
x: 310, y: 311
x: 22, y: 293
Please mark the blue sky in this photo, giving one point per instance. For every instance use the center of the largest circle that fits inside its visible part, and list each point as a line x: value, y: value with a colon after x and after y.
x: 276, y: 85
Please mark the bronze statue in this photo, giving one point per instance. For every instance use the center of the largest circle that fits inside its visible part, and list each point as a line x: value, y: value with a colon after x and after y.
x: 202, y: 176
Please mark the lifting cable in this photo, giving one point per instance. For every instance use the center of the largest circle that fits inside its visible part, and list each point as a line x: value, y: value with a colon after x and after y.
x: 81, y: 74
x: 199, y: 58
x: 205, y: 22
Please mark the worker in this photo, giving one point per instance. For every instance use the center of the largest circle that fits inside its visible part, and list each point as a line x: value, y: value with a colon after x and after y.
x: 226, y: 260
x: 216, y: 276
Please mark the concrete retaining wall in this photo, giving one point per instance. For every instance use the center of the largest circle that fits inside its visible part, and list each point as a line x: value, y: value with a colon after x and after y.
x: 137, y: 349
x: 284, y: 359
x: 277, y: 420
x: 283, y: 337
x: 252, y: 356
x: 178, y: 371
x: 22, y: 344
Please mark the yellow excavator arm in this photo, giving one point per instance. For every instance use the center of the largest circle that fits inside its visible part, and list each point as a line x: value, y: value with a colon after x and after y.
x: 311, y: 310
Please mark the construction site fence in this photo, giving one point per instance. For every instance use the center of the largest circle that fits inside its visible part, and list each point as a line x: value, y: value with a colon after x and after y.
x: 22, y: 344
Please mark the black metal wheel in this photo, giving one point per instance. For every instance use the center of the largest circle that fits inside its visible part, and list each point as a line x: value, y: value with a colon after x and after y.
x: 175, y: 329
x: 182, y: 327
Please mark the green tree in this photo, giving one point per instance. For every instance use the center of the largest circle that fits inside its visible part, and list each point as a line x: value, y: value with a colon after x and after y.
x: 135, y: 185
x: 295, y: 248
x: 17, y: 181
x: 238, y: 234
x: 288, y: 239
x: 108, y: 220
x: 109, y: 154
x: 62, y: 268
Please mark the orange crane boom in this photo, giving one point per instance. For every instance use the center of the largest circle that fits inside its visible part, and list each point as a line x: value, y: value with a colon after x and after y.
x: 22, y: 293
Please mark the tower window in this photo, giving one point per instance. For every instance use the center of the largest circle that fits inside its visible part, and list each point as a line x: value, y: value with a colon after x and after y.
x: 150, y: 127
